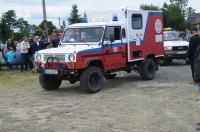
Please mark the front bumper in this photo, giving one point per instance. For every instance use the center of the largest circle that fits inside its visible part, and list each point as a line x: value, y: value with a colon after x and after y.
x: 175, y: 55
x: 65, y: 74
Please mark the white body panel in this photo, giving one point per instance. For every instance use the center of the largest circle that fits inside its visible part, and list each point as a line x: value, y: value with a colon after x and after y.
x: 175, y: 43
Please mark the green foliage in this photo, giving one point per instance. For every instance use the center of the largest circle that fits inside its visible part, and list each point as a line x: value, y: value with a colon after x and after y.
x: 182, y: 4
x: 50, y: 26
x: 74, y: 16
x: 21, y: 24
x: 174, y: 17
x: 7, y: 24
x: 173, y: 14
x: 149, y: 7
x: 39, y: 31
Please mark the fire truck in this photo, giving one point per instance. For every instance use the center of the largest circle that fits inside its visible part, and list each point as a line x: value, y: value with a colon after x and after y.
x: 89, y: 52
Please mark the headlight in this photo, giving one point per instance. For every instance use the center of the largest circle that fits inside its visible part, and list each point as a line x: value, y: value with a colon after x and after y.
x: 38, y: 57
x: 71, y: 57
x: 168, y: 48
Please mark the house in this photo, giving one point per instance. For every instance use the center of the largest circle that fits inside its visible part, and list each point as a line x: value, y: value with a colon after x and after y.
x: 194, y: 19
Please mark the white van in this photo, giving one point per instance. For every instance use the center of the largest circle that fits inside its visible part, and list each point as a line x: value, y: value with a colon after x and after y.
x: 175, y: 47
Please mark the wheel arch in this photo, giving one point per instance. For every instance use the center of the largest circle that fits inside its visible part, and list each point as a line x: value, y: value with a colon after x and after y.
x: 95, y: 62
x: 153, y: 57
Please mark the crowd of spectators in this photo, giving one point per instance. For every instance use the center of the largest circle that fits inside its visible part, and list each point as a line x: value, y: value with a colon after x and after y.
x: 23, y: 52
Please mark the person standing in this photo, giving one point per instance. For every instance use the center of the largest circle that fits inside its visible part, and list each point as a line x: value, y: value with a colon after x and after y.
x: 55, y: 42
x: 193, y: 44
x: 24, y: 47
x: 2, y: 47
x: 197, y: 67
x: 36, y: 46
x: 31, y: 41
x: 10, y: 44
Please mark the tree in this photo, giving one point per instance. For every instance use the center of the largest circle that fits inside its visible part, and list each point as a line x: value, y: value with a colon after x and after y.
x: 50, y: 26
x: 7, y: 24
x: 182, y: 4
x: 173, y: 17
x: 74, y: 16
x: 149, y: 7
x: 21, y: 24
x: 190, y: 11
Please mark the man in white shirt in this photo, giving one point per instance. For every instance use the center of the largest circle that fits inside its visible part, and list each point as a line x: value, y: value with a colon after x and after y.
x: 24, y: 47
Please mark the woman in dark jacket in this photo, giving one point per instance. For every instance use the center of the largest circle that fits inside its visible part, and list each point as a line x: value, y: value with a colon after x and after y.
x: 11, y: 45
x: 197, y: 67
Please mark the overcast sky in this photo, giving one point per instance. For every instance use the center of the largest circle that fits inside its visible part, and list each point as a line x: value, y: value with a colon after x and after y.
x: 31, y: 10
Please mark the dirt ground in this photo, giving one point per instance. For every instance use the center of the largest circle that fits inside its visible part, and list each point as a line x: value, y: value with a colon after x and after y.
x: 126, y: 104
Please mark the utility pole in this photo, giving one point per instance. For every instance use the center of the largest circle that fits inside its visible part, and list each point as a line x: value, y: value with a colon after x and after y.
x: 45, y: 18
x: 59, y: 22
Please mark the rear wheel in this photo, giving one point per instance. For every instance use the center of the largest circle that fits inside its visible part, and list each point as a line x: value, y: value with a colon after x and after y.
x: 148, y: 70
x: 49, y: 82
x: 91, y: 79
x: 110, y: 76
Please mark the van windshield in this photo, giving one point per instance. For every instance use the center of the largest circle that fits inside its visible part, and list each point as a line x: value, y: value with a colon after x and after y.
x: 82, y: 35
x: 171, y: 37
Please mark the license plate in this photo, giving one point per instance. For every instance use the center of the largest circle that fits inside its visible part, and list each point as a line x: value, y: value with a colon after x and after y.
x: 181, y: 52
x: 51, y: 72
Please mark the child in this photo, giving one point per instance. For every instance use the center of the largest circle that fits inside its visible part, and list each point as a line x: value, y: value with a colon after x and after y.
x: 10, y: 56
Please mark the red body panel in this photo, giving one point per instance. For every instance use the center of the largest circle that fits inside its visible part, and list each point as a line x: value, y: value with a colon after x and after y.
x: 150, y: 46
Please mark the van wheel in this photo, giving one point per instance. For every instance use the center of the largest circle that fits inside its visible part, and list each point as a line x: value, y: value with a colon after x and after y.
x: 91, y: 79
x: 165, y: 62
x: 49, y: 82
x: 110, y: 76
x: 148, y: 70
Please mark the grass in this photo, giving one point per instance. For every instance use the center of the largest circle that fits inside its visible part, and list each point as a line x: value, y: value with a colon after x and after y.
x: 12, y: 78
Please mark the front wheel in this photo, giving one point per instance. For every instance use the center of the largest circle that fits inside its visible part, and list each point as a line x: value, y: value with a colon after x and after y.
x: 49, y: 82
x: 148, y: 70
x: 91, y: 79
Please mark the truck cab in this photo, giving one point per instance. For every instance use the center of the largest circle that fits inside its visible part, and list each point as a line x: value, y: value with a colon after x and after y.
x: 175, y: 47
x: 89, y: 52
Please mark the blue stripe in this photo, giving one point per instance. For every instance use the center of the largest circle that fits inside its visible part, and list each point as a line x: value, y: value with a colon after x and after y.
x: 101, y: 48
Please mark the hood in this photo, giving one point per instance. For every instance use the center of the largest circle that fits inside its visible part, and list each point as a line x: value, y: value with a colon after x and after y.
x: 175, y: 43
x: 68, y: 49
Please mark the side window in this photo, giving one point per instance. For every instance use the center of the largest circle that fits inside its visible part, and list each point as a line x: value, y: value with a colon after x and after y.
x: 115, y: 31
x: 137, y: 21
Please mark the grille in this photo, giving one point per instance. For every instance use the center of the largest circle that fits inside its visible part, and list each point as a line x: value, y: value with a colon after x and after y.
x: 180, y: 48
x: 61, y: 58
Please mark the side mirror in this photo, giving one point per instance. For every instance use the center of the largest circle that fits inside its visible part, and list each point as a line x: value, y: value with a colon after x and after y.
x: 112, y: 38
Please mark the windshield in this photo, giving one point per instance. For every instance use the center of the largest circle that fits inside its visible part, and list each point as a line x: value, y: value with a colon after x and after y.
x: 82, y: 35
x: 171, y: 36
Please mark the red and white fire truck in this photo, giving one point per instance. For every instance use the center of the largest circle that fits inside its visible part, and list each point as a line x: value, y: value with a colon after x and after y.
x: 88, y: 52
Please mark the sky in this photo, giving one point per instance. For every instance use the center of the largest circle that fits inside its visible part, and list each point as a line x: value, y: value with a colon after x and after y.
x: 31, y: 10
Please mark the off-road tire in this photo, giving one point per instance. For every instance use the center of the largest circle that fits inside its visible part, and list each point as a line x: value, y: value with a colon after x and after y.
x: 49, y: 82
x: 110, y: 76
x: 91, y: 79
x: 148, y: 70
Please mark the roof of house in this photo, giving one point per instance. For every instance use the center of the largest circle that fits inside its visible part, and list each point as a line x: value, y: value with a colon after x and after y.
x: 194, y: 18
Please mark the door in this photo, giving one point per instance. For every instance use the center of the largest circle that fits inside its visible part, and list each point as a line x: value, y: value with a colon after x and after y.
x: 114, y: 52
x: 137, y: 23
